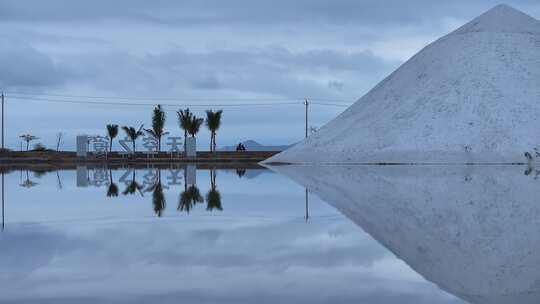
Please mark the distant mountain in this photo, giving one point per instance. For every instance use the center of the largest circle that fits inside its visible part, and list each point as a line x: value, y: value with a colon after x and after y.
x: 252, y: 145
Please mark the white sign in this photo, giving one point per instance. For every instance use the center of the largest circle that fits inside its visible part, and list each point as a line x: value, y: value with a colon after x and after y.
x: 82, y: 145
x: 125, y: 143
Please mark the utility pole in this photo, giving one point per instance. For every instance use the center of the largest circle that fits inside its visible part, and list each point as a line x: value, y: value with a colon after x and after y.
x: 2, y: 120
x: 306, y: 103
x: 3, y: 201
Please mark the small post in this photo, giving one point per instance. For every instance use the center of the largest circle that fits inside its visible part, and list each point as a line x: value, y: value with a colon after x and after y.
x: 306, y: 103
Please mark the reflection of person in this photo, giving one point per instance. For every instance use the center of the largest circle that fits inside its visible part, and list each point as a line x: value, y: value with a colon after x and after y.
x: 240, y: 172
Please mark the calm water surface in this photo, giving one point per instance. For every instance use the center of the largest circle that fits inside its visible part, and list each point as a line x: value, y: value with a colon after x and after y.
x: 245, y: 236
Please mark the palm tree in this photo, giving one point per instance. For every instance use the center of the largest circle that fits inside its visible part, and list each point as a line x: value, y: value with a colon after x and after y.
x: 28, y: 138
x: 184, y: 119
x: 112, y: 191
x: 213, y: 122
x: 158, y: 123
x: 112, y: 131
x: 213, y: 197
x: 194, y: 125
x: 133, y: 134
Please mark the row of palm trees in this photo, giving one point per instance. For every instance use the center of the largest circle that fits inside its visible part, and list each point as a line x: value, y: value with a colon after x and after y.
x: 187, y: 121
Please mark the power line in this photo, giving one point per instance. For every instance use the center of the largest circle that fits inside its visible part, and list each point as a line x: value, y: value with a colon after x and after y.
x: 331, y: 104
x: 178, y: 99
x: 194, y: 105
x: 28, y: 99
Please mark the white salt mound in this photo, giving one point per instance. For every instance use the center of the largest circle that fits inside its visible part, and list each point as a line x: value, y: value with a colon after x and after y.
x: 471, y: 96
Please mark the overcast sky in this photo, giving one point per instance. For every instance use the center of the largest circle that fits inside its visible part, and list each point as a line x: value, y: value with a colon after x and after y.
x: 208, y: 52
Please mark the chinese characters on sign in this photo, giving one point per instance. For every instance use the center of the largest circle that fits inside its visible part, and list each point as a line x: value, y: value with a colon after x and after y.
x: 100, y: 144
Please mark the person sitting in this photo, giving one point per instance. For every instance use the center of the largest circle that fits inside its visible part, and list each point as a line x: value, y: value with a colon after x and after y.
x: 239, y: 147
x: 242, y: 147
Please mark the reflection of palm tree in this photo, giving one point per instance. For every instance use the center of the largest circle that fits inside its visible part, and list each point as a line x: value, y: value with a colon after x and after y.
x: 189, y: 198
x: 112, y: 191
x: 133, y: 187
x: 28, y: 183
x: 213, y: 197
x: 213, y: 200
x: 158, y: 198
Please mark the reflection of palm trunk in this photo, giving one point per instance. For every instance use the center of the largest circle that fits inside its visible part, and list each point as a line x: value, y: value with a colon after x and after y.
x: 185, y: 178
x: 110, y: 176
x: 213, y: 178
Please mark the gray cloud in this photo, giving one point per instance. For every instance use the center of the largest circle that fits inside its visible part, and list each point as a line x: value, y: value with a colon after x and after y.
x: 192, y: 12
x: 24, y: 66
x: 271, y: 71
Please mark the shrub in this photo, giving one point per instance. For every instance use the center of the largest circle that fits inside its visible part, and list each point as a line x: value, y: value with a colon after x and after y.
x: 39, y: 147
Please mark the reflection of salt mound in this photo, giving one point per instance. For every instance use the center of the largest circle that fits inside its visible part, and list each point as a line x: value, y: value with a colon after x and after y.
x: 471, y: 96
x: 472, y: 230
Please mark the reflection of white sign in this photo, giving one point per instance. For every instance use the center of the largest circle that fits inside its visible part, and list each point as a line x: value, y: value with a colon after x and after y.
x: 150, y: 178
x: 82, y: 174
x: 124, y: 178
x: 191, y: 175
x: 100, y: 177
x: 175, y: 177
